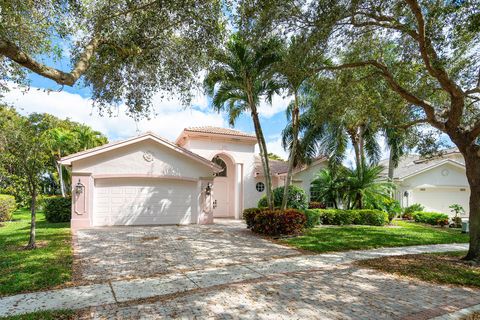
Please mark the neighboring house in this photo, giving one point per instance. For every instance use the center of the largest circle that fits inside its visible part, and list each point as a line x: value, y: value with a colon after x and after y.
x: 146, y: 179
x: 436, y: 183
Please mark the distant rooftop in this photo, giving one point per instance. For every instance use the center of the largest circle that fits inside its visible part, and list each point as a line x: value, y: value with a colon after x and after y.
x: 413, y: 163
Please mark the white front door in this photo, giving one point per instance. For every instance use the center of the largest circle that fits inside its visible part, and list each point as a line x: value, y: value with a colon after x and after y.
x: 220, y: 197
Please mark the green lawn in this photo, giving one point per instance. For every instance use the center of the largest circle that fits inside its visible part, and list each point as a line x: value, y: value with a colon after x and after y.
x: 45, y: 315
x: 402, y: 233
x: 444, y: 268
x: 28, y: 270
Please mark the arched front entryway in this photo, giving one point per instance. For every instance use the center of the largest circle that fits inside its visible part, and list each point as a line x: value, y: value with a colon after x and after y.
x: 224, y: 187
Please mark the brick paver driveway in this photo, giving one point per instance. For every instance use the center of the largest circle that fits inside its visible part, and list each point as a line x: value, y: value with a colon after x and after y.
x: 335, y: 292
x: 133, y: 252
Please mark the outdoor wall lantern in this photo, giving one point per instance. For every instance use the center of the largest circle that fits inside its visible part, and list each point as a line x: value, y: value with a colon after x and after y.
x: 208, y: 189
x: 79, y: 187
x: 405, y: 194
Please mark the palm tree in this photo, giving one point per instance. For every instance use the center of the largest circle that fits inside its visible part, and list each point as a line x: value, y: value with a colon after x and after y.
x: 328, y: 187
x: 241, y: 77
x: 58, y: 141
x: 297, y: 64
x: 364, y: 185
x: 330, y: 136
x: 88, y: 138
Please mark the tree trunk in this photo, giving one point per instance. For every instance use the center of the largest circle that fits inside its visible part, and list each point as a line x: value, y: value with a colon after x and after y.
x: 60, y: 178
x: 264, y: 157
x: 391, y: 166
x: 291, y: 158
x: 472, y: 160
x: 361, y: 147
x: 357, y: 154
x: 31, y: 242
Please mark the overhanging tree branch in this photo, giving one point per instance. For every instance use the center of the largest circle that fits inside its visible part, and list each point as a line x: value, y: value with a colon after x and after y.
x: 388, y: 76
x: 427, y: 52
x: 13, y: 52
x: 475, y: 132
x: 435, y: 69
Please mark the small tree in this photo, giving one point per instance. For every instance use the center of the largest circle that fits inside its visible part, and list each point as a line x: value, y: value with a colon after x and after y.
x: 24, y: 153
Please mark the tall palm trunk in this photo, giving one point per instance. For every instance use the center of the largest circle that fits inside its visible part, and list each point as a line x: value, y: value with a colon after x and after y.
x: 263, y: 155
x: 391, y: 166
x: 356, y: 148
x: 361, y: 146
x: 291, y: 158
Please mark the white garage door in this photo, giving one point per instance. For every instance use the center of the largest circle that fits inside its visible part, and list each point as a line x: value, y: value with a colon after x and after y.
x: 130, y: 201
x: 440, y: 199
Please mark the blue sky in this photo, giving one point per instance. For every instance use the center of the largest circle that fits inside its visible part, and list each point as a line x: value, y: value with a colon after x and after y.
x: 172, y: 116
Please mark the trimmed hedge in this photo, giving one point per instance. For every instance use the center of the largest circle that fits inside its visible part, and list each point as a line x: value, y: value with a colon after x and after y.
x: 58, y: 209
x: 8, y: 205
x: 297, y: 198
x: 433, y: 218
x: 369, y: 217
x: 313, y: 218
x: 275, y: 222
x: 249, y: 216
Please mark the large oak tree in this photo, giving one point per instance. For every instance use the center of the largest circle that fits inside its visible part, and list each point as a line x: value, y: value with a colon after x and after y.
x: 426, y: 51
x: 124, y: 50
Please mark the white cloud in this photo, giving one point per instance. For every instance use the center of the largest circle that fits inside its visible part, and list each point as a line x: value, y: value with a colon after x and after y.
x: 279, y: 104
x: 275, y: 146
x: 171, y: 117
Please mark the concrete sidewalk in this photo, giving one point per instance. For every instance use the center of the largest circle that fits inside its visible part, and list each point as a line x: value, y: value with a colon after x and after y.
x: 130, y: 290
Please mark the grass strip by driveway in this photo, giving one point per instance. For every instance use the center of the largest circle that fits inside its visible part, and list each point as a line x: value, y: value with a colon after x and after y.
x: 45, y: 315
x: 400, y: 233
x: 30, y: 270
x: 442, y: 268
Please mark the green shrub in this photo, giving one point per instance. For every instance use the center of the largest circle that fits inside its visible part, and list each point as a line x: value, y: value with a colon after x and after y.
x: 297, y: 198
x: 389, y: 205
x: 360, y: 217
x: 313, y: 218
x: 408, y: 211
x: 278, y: 222
x: 249, y: 216
x: 58, y: 209
x: 7, y: 206
x: 372, y: 217
x: 316, y: 205
x: 433, y: 218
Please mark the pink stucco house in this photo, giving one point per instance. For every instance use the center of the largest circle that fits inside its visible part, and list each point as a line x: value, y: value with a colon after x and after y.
x: 208, y: 172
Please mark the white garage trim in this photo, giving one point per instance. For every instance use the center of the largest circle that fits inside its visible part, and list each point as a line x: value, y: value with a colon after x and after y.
x: 143, y: 176
x: 139, y: 201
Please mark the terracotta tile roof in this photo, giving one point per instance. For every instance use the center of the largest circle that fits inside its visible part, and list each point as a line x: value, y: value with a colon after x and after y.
x: 218, y: 130
x: 276, y: 166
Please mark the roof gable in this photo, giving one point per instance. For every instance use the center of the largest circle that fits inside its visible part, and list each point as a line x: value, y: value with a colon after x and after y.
x: 143, y: 137
x: 431, y: 167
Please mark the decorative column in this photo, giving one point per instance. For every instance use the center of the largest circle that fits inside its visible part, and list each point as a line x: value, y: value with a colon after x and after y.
x: 238, y: 190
